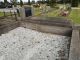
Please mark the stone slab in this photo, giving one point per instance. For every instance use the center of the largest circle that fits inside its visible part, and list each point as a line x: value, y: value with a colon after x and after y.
x: 48, y: 29
x: 75, y: 46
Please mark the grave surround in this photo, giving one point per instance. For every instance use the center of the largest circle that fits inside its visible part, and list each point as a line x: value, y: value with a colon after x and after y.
x: 31, y: 23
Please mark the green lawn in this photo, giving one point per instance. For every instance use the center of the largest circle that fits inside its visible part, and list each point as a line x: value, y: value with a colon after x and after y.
x: 74, y: 14
x: 37, y: 11
x: 6, y: 14
x: 1, y: 14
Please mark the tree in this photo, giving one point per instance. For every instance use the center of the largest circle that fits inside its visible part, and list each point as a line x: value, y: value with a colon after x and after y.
x: 33, y: 1
x: 5, y: 2
x: 15, y: 3
x: 29, y: 2
x: 2, y: 5
x: 74, y: 3
x: 47, y: 1
x: 52, y: 3
x: 21, y: 3
x: 65, y: 1
x: 43, y: 1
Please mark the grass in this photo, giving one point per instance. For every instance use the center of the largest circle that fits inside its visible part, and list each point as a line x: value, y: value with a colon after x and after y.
x: 53, y: 13
x: 74, y: 15
x: 37, y: 11
x: 1, y: 14
x: 6, y: 14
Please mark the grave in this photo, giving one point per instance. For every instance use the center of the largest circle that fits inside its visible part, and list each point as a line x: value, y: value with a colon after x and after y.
x: 27, y: 44
x: 45, y: 27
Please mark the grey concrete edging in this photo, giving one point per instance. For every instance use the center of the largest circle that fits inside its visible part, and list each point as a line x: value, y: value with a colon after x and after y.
x: 65, y: 31
x: 8, y: 27
x: 74, y: 53
x: 51, y: 27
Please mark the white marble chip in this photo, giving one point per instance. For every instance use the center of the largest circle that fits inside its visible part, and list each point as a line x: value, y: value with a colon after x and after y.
x: 26, y: 44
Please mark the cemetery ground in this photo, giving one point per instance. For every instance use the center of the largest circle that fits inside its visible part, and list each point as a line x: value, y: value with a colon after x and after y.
x: 54, y: 12
x: 2, y: 14
x: 26, y: 43
x: 74, y: 15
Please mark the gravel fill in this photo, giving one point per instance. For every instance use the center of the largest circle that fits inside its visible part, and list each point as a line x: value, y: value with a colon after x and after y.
x: 26, y: 44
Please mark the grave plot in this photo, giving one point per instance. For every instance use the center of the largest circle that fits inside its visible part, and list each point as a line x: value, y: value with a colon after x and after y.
x: 26, y: 44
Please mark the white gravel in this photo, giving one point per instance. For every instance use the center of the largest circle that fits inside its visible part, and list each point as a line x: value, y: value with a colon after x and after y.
x: 25, y: 44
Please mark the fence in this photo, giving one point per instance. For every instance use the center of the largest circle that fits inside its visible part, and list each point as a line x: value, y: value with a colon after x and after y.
x: 8, y: 12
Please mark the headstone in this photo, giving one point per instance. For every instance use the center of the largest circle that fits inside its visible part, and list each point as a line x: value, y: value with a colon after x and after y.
x: 28, y: 11
x: 22, y: 12
x: 33, y: 11
x: 48, y: 8
x: 43, y: 9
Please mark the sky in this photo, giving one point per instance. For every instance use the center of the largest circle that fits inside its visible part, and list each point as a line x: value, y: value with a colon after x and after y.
x: 19, y: 0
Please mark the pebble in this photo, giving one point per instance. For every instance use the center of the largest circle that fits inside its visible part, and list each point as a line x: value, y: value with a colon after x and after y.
x: 26, y: 44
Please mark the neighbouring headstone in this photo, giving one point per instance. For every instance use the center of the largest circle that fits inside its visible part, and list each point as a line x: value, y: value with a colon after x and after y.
x: 43, y: 9
x: 33, y: 11
x: 48, y: 8
x: 28, y: 11
x: 22, y: 13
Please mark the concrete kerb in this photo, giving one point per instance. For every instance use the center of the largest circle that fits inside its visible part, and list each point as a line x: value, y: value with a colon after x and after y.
x: 74, y: 53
